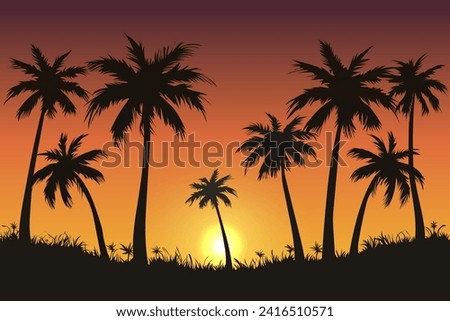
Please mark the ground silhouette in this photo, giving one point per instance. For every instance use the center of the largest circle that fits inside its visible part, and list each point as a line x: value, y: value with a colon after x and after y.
x: 386, y: 269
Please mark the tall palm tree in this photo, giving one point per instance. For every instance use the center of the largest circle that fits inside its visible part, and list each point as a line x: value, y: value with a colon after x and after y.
x: 281, y: 149
x: 387, y: 169
x: 415, y: 85
x: 50, y: 84
x: 347, y: 91
x: 211, y: 191
x: 149, y: 88
x: 68, y: 168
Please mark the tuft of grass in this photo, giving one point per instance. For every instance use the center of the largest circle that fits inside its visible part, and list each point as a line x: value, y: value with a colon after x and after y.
x: 162, y: 257
x: 11, y: 233
x: 127, y: 250
x: 317, y: 249
x: 434, y: 231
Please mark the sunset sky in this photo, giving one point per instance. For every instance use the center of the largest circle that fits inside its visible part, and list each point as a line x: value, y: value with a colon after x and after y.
x: 248, y: 50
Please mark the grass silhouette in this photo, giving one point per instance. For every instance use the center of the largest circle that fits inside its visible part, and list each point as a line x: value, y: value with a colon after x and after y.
x: 62, y: 268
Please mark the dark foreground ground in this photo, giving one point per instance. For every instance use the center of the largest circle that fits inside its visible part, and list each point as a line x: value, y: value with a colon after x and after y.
x: 402, y: 271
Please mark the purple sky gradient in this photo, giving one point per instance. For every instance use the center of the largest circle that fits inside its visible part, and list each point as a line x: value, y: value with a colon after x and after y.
x: 201, y: 6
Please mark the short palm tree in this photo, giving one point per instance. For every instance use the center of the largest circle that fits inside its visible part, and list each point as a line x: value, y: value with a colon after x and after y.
x: 347, y: 91
x: 149, y: 88
x: 50, y: 84
x: 280, y: 149
x: 387, y: 169
x: 68, y: 168
x: 413, y: 85
x: 211, y: 191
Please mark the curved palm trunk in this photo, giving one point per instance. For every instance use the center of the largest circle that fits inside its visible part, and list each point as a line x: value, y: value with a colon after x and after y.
x: 228, y: 263
x: 298, y: 248
x: 139, y: 233
x: 359, y: 219
x: 418, y: 215
x: 25, y: 214
x: 97, y: 223
x: 328, y: 229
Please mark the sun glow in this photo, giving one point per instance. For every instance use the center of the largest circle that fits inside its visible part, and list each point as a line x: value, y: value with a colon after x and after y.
x: 212, y: 244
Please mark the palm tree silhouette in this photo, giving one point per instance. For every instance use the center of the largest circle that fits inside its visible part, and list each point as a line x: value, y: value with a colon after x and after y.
x: 67, y: 168
x: 280, y: 149
x: 50, y: 84
x: 150, y: 88
x: 413, y: 84
x: 387, y: 169
x: 344, y: 90
x: 212, y: 191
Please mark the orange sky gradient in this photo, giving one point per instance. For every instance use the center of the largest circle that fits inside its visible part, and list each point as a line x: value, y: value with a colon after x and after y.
x: 249, y: 56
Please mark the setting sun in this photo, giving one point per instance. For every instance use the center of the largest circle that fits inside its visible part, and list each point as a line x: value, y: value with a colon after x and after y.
x: 213, y: 248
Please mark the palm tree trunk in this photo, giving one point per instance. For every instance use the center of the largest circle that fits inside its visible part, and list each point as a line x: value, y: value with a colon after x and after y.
x: 359, y: 219
x: 228, y: 262
x: 25, y: 215
x: 139, y: 233
x: 418, y: 215
x: 97, y: 223
x: 298, y: 248
x: 328, y: 229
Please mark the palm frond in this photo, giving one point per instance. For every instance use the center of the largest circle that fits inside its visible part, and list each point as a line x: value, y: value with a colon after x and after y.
x: 90, y: 173
x: 39, y: 58
x: 166, y: 57
x: 358, y: 61
x: 57, y: 64
x: 309, y: 96
x: 124, y: 121
x: 28, y: 105
x: 185, y: 75
x: 316, y: 122
x: 317, y: 73
x: 275, y: 123
x: 116, y: 68
x: 170, y: 117
x: 23, y: 86
x: 257, y: 128
x: 330, y: 59
x: 136, y: 53
x: 105, y: 97
x: 28, y: 69
x: 75, y: 144
x: 183, y: 94
x: 71, y: 72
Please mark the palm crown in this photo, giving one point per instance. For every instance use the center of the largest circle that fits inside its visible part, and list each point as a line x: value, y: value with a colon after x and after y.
x: 67, y: 168
x: 49, y: 83
x: 413, y: 84
x: 344, y: 89
x: 387, y: 168
x: 210, y: 191
x: 149, y: 87
x: 280, y: 148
